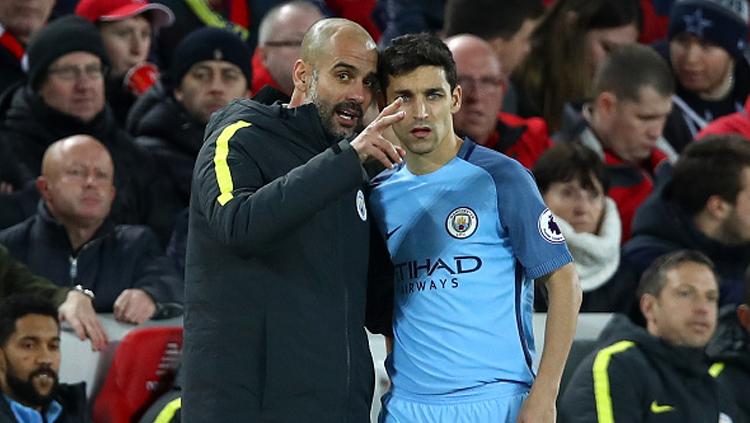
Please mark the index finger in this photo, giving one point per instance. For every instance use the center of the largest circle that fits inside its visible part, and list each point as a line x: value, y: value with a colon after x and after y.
x: 96, y: 334
x: 390, y: 109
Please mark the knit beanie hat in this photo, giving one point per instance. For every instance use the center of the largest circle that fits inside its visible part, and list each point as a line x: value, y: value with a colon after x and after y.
x: 60, y: 37
x: 209, y: 44
x: 722, y: 22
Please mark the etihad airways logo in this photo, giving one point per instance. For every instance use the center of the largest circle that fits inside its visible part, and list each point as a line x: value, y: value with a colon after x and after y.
x: 456, y: 265
x: 434, y: 273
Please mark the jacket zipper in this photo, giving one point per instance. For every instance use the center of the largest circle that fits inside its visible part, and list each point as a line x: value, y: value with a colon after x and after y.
x: 346, y: 329
x: 73, y: 269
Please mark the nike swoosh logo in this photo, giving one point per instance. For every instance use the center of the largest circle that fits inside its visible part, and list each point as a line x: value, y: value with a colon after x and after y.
x: 658, y: 409
x: 390, y: 234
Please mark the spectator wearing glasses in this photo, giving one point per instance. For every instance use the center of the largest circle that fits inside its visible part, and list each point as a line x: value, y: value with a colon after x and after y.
x: 64, y: 96
x: 210, y: 68
x: 279, y: 39
x: 481, y: 79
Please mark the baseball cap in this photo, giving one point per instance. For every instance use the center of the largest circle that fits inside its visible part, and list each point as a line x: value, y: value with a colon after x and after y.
x: 117, y: 10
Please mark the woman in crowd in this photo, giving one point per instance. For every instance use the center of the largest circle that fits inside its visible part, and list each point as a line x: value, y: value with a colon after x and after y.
x: 568, y: 46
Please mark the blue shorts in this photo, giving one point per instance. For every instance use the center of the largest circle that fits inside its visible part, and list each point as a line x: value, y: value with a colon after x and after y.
x: 496, y: 410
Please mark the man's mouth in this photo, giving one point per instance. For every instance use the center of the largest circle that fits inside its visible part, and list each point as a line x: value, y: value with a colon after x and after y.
x: 421, y: 132
x: 348, y: 116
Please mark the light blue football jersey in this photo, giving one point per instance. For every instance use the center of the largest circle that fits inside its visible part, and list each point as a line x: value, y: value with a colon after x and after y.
x: 466, y: 242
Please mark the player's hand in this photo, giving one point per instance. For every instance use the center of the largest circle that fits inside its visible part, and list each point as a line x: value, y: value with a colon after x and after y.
x: 79, y: 312
x: 134, y: 306
x: 538, y: 408
x: 370, y: 143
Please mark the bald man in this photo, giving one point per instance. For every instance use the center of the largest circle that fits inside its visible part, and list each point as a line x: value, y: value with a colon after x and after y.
x: 71, y: 242
x: 278, y: 245
x: 279, y: 41
x: 480, y: 75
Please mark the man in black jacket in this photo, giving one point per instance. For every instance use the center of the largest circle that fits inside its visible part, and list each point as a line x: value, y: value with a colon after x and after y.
x: 70, y: 240
x: 30, y: 347
x: 730, y: 350
x: 64, y: 96
x: 703, y: 205
x: 660, y: 374
x: 210, y: 68
x: 278, y: 245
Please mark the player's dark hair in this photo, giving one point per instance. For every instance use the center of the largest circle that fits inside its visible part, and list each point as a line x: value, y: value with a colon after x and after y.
x: 408, y: 52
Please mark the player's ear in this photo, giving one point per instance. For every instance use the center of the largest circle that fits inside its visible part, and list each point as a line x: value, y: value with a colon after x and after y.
x: 456, y: 99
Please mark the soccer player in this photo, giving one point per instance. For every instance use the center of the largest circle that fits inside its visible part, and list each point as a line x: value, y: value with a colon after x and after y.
x: 467, y: 233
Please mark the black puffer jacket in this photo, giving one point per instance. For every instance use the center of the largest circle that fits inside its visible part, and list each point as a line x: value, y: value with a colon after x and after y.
x: 730, y: 351
x: 164, y: 129
x: 29, y: 126
x: 276, y: 273
x: 637, y: 377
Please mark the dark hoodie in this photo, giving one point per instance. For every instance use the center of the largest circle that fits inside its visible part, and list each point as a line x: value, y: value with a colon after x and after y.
x: 276, y: 273
x: 29, y: 126
x: 165, y: 129
x: 660, y: 227
x: 637, y: 377
x: 730, y: 351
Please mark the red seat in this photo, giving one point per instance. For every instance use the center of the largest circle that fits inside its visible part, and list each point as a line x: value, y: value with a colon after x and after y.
x: 143, y: 368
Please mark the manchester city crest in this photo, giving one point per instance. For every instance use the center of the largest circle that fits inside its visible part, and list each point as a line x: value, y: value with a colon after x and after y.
x: 361, y: 207
x: 462, y: 223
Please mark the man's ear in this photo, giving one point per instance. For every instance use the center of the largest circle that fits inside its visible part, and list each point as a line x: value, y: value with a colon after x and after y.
x: 301, y: 76
x: 648, y: 303
x: 606, y: 103
x: 42, y: 185
x: 456, y: 99
x: 718, y: 207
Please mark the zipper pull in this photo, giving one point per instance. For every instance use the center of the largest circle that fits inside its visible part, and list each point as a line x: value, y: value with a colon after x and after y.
x: 73, y: 268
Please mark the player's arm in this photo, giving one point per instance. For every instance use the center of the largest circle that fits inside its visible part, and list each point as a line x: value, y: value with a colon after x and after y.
x: 564, y: 303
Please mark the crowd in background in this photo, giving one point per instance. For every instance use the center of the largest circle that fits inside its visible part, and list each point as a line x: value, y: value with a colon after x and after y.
x: 631, y: 114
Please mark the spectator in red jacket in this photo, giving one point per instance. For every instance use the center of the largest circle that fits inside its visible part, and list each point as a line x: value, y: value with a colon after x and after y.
x: 735, y: 123
x: 623, y: 124
x: 481, y: 79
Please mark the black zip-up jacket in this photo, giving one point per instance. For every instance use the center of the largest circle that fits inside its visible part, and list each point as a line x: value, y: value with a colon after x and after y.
x: 118, y: 257
x: 637, y: 377
x: 165, y: 129
x: 276, y: 273
x: 72, y: 398
x: 730, y: 351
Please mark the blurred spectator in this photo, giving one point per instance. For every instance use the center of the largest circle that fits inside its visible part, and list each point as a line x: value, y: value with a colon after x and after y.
x: 655, y: 20
x: 735, y: 123
x: 239, y: 16
x: 70, y: 241
x: 706, y: 49
x: 74, y: 306
x: 730, y: 350
x: 127, y: 27
x: 211, y: 67
x: 623, y: 124
x: 660, y: 373
x: 19, y: 21
x: 65, y: 96
x: 279, y: 39
x: 506, y: 25
x: 30, y: 342
x: 572, y: 181
x: 570, y: 44
x: 705, y: 206
x: 481, y: 80
x: 411, y: 17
